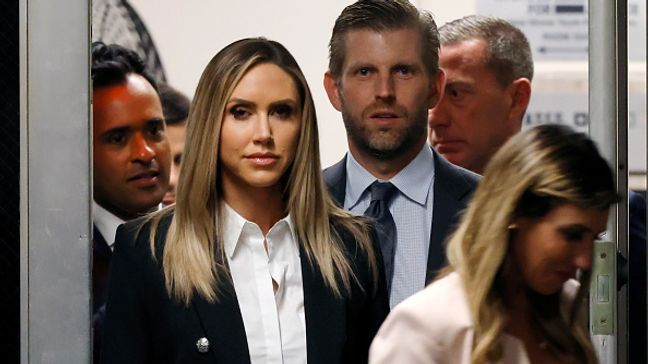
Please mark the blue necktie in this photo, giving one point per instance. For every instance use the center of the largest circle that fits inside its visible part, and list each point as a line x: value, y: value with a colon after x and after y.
x: 381, y: 195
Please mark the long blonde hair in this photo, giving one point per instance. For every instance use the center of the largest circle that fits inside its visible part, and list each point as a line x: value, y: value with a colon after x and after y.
x: 532, y: 173
x: 193, y: 258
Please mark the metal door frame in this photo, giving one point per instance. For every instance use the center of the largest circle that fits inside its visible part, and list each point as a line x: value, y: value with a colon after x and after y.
x: 608, y: 112
x: 55, y: 181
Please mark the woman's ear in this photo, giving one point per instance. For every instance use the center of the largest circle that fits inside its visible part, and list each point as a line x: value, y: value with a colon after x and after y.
x: 518, y: 223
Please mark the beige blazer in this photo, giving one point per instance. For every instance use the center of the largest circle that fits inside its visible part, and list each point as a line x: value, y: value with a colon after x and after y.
x: 434, y: 326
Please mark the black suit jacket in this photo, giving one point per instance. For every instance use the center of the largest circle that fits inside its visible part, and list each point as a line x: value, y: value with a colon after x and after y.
x: 143, y: 325
x: 453, y: 188
x: 101, y: 258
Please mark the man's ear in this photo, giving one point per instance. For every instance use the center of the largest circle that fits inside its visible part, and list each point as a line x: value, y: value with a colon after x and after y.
x: 520, y: 92
x: 438, y: 86
x: 331, y: 86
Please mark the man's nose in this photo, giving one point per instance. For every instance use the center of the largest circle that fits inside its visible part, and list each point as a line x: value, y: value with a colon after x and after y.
x: 385, y: 87
x: 141, y: 149
x: 173, y: 176
x: 438, y: 115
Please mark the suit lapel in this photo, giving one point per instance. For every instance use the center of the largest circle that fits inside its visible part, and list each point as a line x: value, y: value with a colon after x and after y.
x: 223, y: 324
x: 449, y: 190
x: 335, y: 179
x: 325, y: 316
x: 100, y: 244
x: 101, y: 258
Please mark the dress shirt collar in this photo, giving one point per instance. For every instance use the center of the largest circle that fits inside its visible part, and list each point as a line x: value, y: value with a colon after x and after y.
x: 106, y: 222
x: 413, y: 181
x: 234, y: 225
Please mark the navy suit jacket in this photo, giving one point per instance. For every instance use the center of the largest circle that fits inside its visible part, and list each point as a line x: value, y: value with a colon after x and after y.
x: 453, y: 188
x: 637, y: 271
x: 143, y: 325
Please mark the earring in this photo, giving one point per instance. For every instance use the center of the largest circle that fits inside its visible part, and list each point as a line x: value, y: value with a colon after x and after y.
x: 512, y: 226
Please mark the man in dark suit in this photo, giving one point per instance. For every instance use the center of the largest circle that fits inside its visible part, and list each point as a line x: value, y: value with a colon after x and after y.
x: 383, y: 77
x: 488, y: 67
x: 131, y: 156
x: 175, y: 106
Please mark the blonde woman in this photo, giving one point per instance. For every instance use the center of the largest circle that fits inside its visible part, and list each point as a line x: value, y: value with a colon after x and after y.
x: 510, y: 293
x: 254, y: 263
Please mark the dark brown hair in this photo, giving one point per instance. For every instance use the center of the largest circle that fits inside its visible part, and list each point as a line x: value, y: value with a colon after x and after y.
x: 380, y: 16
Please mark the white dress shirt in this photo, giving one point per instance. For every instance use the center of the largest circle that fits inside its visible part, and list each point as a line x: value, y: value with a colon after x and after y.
x: 106, y: 222
x: 275, y: 323
x: 412, y: 210
x: 434, y: 326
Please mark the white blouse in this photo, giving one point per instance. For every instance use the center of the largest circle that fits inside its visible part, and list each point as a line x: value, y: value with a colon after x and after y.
x: 434, y: 326
x: 275, y: 324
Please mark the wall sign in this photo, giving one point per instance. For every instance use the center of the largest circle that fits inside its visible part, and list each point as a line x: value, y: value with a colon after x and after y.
x: 557, y: 29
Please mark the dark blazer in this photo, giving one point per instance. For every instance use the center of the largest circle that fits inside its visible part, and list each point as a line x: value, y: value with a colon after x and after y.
x: 101, y: 258
x: 143, y: 325
x: 637, y: 274
x: 453, y: 188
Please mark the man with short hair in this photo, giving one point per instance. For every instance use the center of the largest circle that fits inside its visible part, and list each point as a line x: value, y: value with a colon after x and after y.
x: 488, y: 67
x: 383, y: 77
x: 130, y: 156
x: 175, y: 106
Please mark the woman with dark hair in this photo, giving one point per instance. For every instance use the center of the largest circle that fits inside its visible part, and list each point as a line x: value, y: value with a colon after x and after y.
x: 519, y: 263
x: 254, y: 263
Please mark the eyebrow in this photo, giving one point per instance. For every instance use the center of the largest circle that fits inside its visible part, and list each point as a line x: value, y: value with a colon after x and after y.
x: 459, y: 82
x: 247, y: 103
x: 155, y: 121
x: 118, y: 129
x: 240, y: 101
x: 126, y: 128
x: 468, y: 87
x: 576, y: 226
x: 582, y: 229
x: 360, y: 64
x: 413, y: 66
x: 283, y: 102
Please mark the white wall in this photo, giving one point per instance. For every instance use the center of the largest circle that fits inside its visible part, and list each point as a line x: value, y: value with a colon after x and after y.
x: 189, y: 32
